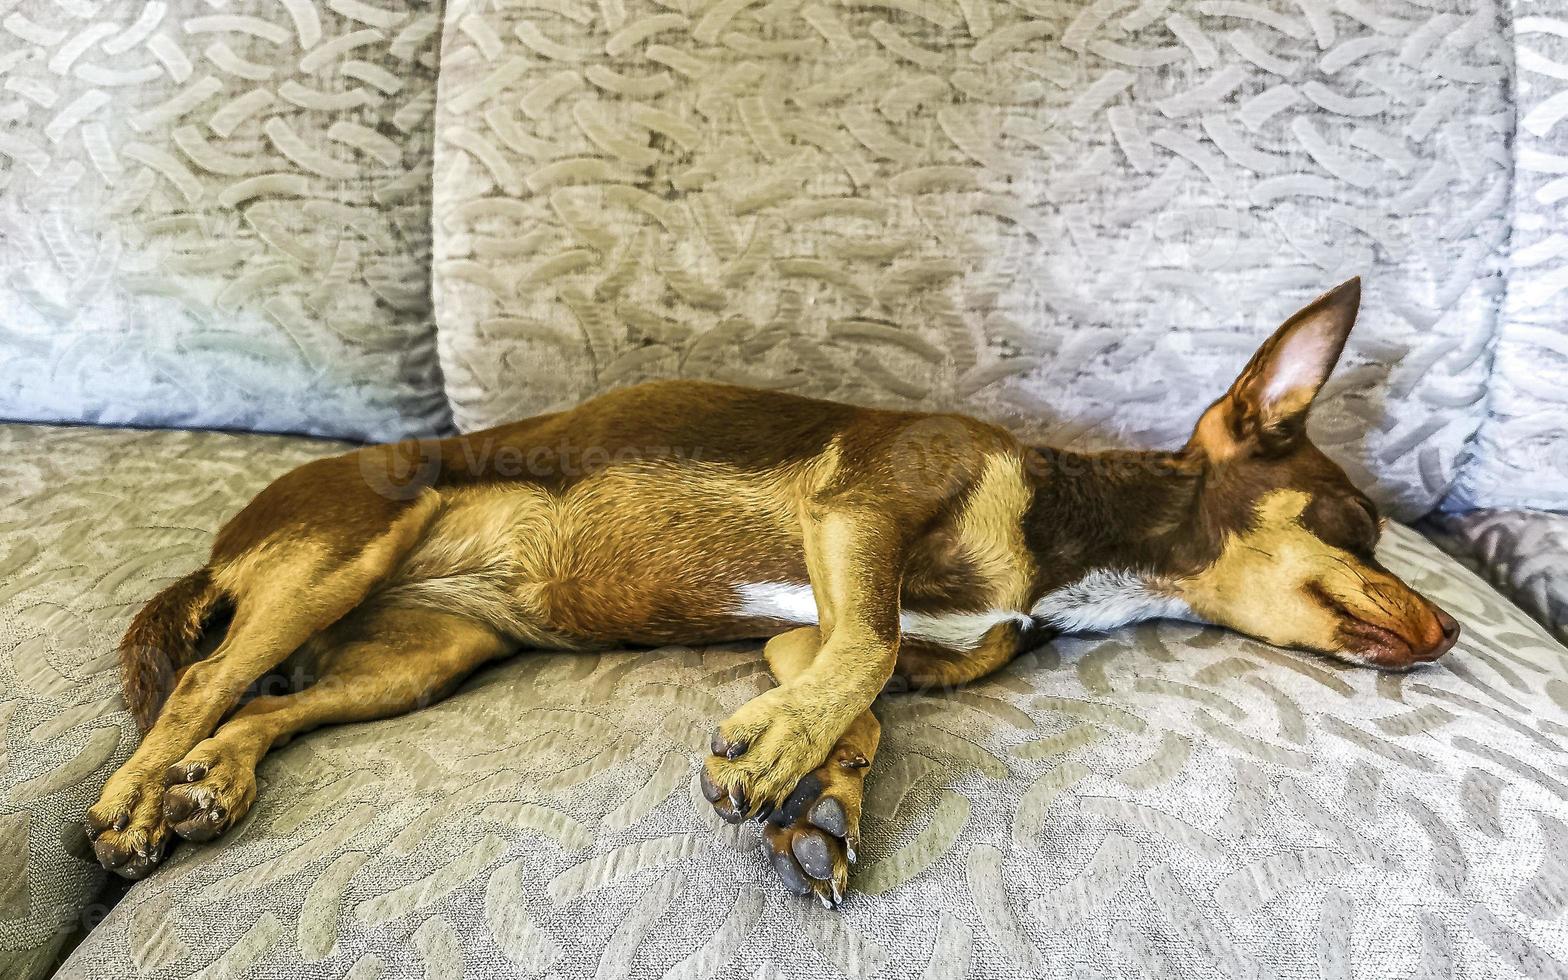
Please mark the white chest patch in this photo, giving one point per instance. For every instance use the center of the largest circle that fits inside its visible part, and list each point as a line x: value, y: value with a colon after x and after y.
x: 1104, y: 600
x: 1101, y: 600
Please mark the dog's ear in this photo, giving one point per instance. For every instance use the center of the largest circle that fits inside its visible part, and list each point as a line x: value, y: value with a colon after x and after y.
x: 1265, y: 410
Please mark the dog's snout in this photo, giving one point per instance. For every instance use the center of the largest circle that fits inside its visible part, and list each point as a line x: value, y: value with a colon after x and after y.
x: 1449, y: 627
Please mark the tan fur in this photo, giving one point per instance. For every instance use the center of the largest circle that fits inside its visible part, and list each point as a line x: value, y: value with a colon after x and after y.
x: 1242, y: 585
x: 1266, y: 579
x: 491, y: 555
x: 990, y: 532
x: 840, y: 779
x: 371, y: 665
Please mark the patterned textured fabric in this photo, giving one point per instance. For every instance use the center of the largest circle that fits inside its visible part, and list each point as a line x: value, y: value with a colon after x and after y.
x: 1075, y: 218
x: 1166, y: 800
x: 94, y: 521
x: 1522, y: 552
x: 217, y: 214
x: 1521, y: 454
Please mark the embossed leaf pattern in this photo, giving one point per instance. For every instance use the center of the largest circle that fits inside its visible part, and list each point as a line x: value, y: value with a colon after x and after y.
x: 1167, y: 800
x: 217, y: 214
x: 1520, y: 458
x: 1524, y: 553
x: 1075, y: 218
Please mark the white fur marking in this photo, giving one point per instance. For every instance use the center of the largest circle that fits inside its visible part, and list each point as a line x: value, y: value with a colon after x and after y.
x: 1104, y: 600
x: 796, y: 604
x: 1101, y: 600
x: 778, y: 600
x: 956, y: 630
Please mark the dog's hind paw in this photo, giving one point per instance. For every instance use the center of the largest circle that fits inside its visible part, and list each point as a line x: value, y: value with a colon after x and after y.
x: 811, y: 839
x: 207, y: 792
x: 126, y: 826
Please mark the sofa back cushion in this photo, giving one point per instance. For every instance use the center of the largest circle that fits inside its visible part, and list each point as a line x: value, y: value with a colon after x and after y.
x: 1076, y: 219
x: 1520, y: 456
x: 217, y: 215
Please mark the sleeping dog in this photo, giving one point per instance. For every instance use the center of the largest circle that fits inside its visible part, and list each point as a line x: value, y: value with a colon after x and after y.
x: 874, y: 548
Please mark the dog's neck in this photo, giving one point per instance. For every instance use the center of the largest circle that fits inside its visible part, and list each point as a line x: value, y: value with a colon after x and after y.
x: 1108, y: 512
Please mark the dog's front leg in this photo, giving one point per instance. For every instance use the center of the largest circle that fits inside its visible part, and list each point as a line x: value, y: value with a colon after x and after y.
x: 855, y: 559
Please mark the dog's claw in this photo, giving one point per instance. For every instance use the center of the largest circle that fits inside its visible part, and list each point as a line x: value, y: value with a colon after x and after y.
x: 132, y: 859
x: 710, y: 790
x: 208, y: 792
x: 729, y: 750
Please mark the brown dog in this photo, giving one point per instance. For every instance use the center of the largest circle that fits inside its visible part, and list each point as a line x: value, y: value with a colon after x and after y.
x: 872, y: 546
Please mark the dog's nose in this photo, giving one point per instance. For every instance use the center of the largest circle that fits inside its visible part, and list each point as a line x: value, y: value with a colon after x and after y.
x: 1450, y: 628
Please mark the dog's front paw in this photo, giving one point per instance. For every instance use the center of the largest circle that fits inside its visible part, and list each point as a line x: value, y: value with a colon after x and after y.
x: 126, y: 825
x: 761, y: 753
x: 811, y: 839
x: 207, y: 792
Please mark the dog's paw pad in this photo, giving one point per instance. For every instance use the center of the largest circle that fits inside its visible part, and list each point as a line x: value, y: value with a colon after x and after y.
x: 829, y: 815
x: 811, y: 838
x: 812, y: 852
x: 206, y: 794
x: 789, y: 872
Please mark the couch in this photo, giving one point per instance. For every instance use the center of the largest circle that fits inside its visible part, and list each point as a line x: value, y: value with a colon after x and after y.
x: 238, y: 235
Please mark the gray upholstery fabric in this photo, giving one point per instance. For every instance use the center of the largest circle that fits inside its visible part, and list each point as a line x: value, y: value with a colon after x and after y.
x: 1521, y: 453
x: 1076, y: 218
x: 1524, y: 553
x: 1163, y: 801
x: 217, y: 214
x: 92, y: 522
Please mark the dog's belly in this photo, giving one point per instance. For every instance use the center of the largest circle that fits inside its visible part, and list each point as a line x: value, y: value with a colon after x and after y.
x: 622, y: 558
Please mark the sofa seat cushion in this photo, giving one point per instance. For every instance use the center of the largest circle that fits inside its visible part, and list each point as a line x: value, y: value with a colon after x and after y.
x: 1524, y: 553
x: 92, y: 522
x: 1164, y: 800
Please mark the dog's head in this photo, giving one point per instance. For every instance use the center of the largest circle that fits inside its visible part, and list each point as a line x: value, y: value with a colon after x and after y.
x: 1284, y: 544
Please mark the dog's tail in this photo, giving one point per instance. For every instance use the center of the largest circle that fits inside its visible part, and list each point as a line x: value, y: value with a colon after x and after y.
x: 162, y: 640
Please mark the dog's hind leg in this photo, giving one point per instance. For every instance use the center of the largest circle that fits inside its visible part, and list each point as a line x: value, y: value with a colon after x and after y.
x: 375, y: 664
x: 301, y: 556
x: 931, y: 668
